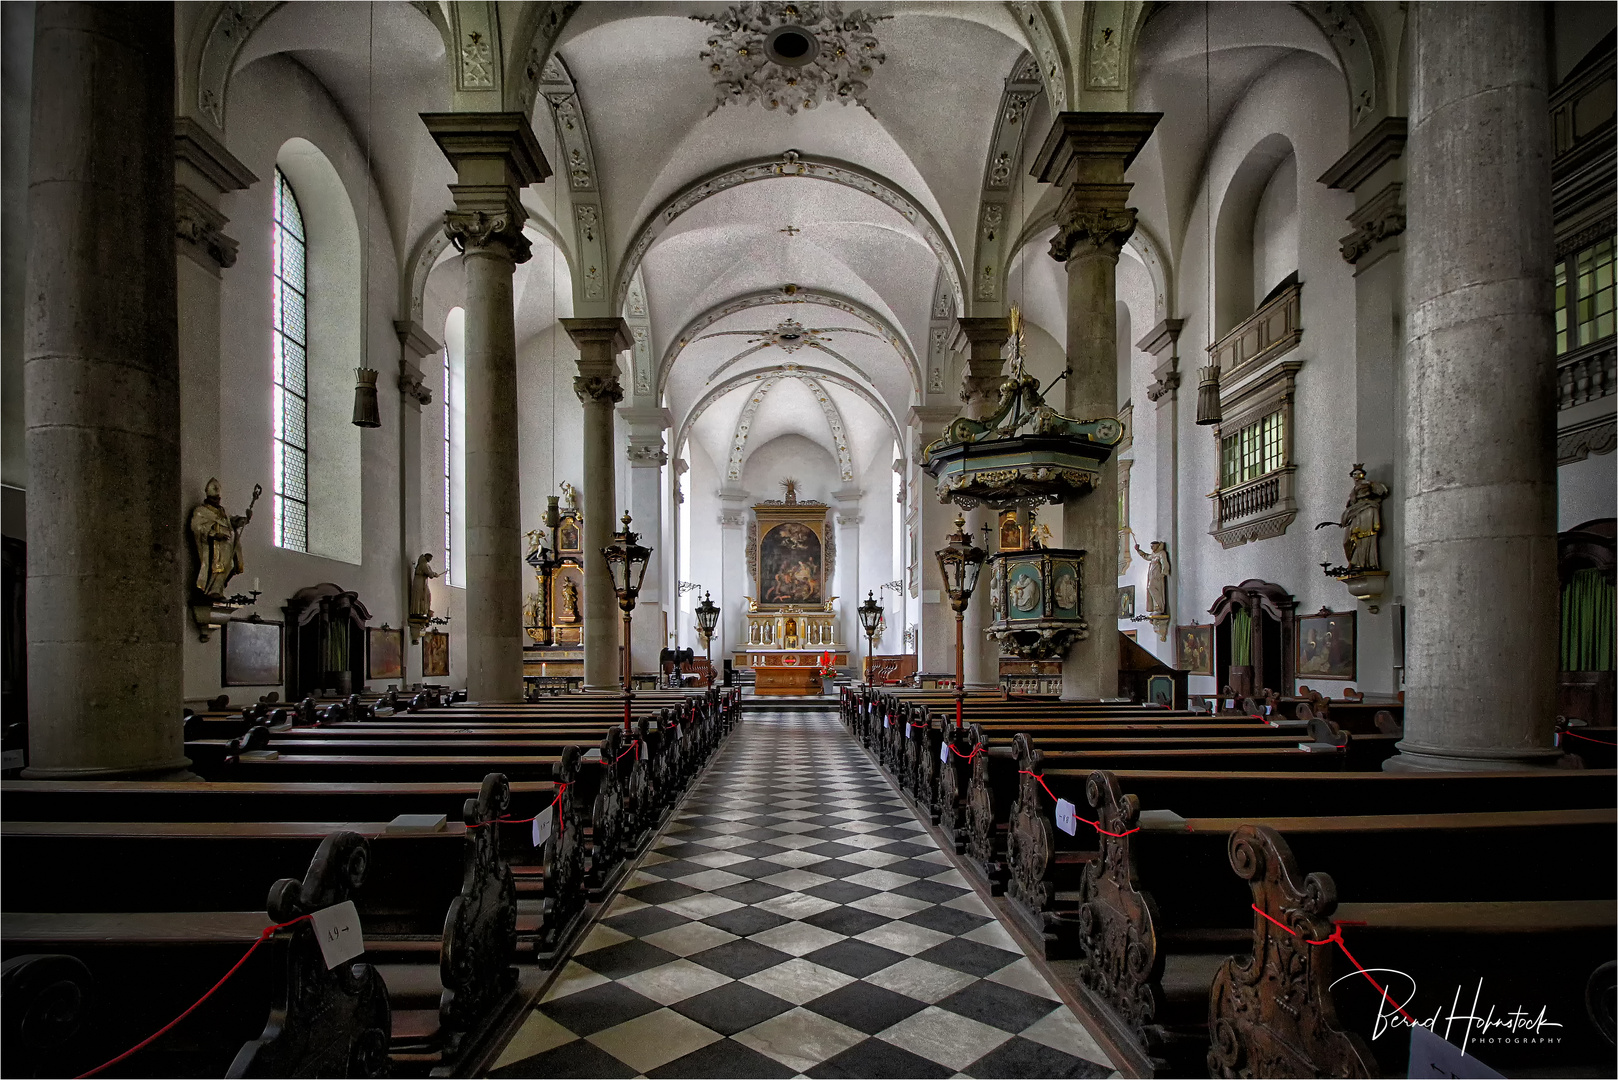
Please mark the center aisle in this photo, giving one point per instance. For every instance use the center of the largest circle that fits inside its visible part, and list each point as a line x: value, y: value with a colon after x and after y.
x: 794, y: 918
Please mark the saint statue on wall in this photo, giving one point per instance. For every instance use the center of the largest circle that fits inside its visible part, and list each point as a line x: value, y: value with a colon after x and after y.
x: 1157, y: 577
x: 1361, y: 522
x: 216, y: 537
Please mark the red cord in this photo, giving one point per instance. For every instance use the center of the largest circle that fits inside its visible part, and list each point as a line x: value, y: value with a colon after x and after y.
x: 1096, y: 825
x: 560, y: 822
x: 1337, y: 936
x: 262, y: 938
x: 1586, y: 738
x: 631, y: 750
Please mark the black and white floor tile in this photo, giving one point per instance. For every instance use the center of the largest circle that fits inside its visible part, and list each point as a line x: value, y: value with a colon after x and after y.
x: 795, y: 919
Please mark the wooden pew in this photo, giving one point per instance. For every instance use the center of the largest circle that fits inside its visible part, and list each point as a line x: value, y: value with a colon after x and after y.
x: 1535, y: 940
x: 1143, y: 900
x: 439, y: 909
x: 80, y: 988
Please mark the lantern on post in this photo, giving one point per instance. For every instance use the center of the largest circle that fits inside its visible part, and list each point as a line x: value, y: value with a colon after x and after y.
x: 707, y: 621
x: 626, y: 561
x: 959, y: 563
x: 870, y: 614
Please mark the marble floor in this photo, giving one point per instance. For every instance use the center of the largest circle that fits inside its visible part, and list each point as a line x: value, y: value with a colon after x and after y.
x: 795, y: 919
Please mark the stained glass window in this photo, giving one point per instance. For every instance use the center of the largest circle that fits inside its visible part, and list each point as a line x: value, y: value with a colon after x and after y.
x: 289, y: 357
x: 449, y: 520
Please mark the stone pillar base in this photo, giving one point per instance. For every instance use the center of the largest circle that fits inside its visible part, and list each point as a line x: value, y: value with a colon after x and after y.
x: 1413, y: 758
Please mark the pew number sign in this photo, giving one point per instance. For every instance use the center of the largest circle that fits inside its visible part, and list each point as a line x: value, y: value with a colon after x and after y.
x: 542, y: 827
x: 1067, y: 817
x: 337, y: 929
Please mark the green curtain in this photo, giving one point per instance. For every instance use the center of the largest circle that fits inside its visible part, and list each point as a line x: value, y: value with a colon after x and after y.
x: 1241, y: 637
x: 1587, y: 622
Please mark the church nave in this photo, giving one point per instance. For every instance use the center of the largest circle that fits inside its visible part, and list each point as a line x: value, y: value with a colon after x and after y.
x: 796, y: 919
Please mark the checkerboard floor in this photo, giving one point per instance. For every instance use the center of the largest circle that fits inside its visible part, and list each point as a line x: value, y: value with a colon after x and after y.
x: 794, y: 919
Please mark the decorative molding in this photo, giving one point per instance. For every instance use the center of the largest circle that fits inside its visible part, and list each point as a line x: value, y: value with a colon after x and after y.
x: 1577, y: 241
x: 789, y: 294
x: 1382, y: 217
x: 1260, y: 528
x: 1103, y: 68
x: 1022, y: 89
x: 478, y: 229
x: 835, y: 67
x: 1166, y: 376
x: 199, y: 228
x: 232, y: 26
x: 1151, y: 254
x: 598, y: 388
x: 646, y: 455
x: 1359, y: 54
x: 413, y: 384
x: 735, y: 519
x: 477, y: 46
x: 834, y: 420
x: 1268, y: 333
x: 1042, y: 43
x: 940, y: 332
x: 1598, y: 436
x: 196, y: 146
x: 1082, y: 231
x: 744, y: 425
x: 423, y: 258
x: 789, y: 371
x: 1385, y: 142
x: 538, y: 26
x: 764, y: 339
x: 791, y: 163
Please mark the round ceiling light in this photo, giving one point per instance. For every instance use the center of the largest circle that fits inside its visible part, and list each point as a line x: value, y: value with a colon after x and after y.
x: 791, y: 46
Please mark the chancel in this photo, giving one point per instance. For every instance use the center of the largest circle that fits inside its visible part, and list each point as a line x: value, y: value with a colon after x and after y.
x: 452, y: 454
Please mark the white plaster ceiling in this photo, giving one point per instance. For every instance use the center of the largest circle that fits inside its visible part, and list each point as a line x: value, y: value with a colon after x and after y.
x: 403, y: 54
x: 1193, y: 63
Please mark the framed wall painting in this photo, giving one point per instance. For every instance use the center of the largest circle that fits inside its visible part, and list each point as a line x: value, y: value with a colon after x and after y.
x: 384, y: 652
x: 1160, y: 690
x: 1326, y: 645
x: 251, y: 653
x: 1194, y: 650
x: 435, y: 655
x: 1126, y: 602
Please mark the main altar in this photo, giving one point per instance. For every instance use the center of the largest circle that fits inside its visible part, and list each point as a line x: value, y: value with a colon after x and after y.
x: 790, y: 622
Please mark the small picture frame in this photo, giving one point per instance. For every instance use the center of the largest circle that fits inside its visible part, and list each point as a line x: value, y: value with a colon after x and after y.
x: 251, y: 653
x: 1194, y: 649
x: 1126, y: 602
x: 384, y: 652
x: 435, y: 655
x: 1160, y: 690
x: 1326, y: 645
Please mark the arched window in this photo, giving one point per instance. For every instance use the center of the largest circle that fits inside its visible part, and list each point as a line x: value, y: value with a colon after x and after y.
x: 289, y: 347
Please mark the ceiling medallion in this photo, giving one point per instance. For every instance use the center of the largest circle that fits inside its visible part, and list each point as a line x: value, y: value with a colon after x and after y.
x: 791, y: 56
x: 789, y: 336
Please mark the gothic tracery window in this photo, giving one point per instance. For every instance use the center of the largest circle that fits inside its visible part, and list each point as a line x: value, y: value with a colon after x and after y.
x: 289, y: 350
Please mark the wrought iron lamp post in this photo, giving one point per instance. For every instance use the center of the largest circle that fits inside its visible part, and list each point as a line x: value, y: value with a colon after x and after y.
x: 959, y: 563
x: 870, y: 614
x: 627, y: 561
x: 707, y: 619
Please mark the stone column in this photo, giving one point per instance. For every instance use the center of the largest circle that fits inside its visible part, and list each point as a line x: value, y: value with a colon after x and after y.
x: 847, y: 586
x: 414, y: 392
x: 1480, y: 410
x: 646, y: 460
x: 1087, y: 153
x: 935, y: 649
x: 980, y: 389
x: 108, y: 569
x: 599, y: 342
x: 495, y: 156
x: 735, y: 582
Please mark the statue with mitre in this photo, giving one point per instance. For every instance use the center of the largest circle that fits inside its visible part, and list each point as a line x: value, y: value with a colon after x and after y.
x: 216, y: 536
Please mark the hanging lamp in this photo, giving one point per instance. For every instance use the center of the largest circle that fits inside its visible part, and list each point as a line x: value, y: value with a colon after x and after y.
x: 367, y: 413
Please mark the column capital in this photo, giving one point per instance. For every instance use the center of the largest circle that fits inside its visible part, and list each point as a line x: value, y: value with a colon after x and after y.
x: 495, y: 155
x: 646, y: 420
x: 987, y: 334
x: 598, y: 388
x: 1090, y: 230
x: 414, y: 340
x: 647, y: 453
x: 414, y: 343
x: 499, y: 231
x: 204, y: 170
x: 604, y: 339
x: 1084, y: 148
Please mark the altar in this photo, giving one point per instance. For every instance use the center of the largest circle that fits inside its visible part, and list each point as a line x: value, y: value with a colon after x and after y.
x: 790, y: 625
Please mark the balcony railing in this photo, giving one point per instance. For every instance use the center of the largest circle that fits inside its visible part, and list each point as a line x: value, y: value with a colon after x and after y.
x: 1586, y: 373
x: 1255, y: 510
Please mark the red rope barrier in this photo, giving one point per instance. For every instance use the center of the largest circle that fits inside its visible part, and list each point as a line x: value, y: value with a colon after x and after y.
x: 1586, y: 738
x: 631, y: 750
x: 1096, y: 825
x: 1337, y: 936
x: 560, y: 824
x: 264, y: 935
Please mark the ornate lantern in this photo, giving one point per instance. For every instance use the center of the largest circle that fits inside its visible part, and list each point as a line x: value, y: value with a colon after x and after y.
x: 870, y: 614
x: 959, y: 562
x: 707, y: 620
x: 627, y: 561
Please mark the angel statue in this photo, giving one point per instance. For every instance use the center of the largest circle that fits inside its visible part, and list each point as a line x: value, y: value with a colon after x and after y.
x: 1361, y: 522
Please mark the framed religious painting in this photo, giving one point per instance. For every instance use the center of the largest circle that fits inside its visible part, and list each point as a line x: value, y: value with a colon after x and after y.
x: 1326, y: 645
x: 251, y: 653
x: 791, y: 557
x: 1126, y: 601
x: 1194, y: 649
x: 435, y: 655
x: 384, y: 653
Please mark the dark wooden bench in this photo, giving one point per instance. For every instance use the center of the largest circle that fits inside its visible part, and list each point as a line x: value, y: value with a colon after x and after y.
x: 80, y: 987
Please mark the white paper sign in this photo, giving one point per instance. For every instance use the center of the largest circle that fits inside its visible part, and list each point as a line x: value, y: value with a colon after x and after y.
x: 907, y: 730
x: 943, y: 753
x: 887, y: 722
x: 1066, y: 819
x: 1434, y: 1056
x: 542, y: 827
x: 337, y: 928
x: 645, y: 751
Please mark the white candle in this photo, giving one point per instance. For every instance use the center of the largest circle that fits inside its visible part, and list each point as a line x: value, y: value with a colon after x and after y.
x: 255, y: 585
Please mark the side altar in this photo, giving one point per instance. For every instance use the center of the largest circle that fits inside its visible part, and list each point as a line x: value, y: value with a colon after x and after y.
x: 790, y: 623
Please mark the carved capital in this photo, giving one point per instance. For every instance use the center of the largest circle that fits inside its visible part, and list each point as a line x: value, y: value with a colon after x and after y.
x: 198, y: 227
x: 648, y: 454
x: 1082, y: 231
x: 412, y: 384
x: 598, y: 388
x: 1382, y: 218
x: 1166, y: 380
x: 476, y: 230
x: 732, y: 519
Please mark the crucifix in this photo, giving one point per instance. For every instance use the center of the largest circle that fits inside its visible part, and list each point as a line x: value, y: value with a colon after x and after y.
x: 790, y: 230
